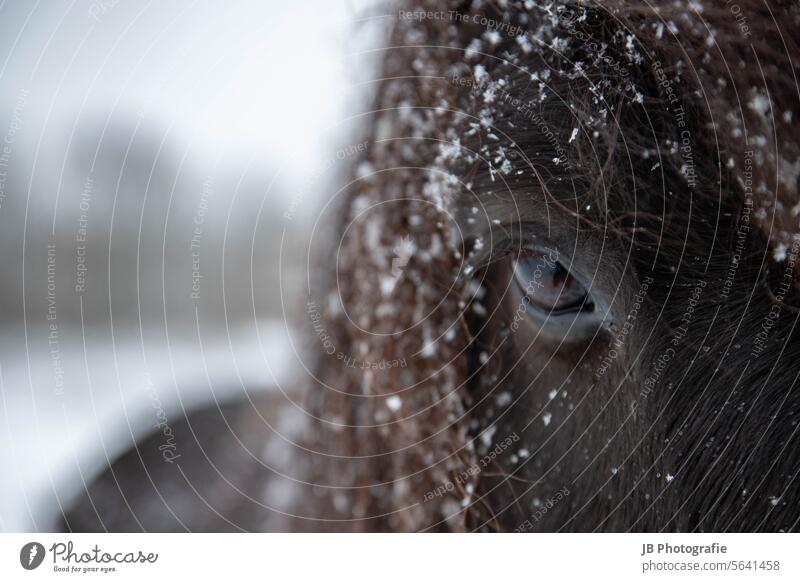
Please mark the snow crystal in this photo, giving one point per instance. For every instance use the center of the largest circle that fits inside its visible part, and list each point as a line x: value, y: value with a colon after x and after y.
x: 364, y: 169
x: 546, y: 418
x: 524, y: 44
x: 573, y: 135
x: 387, y: 284
x: 503, y: 399
x: 492, y: 37
x: 487, y: 436
x: 760, y: 104
x: 481, y: 76
x: 489, y: 94
x: 340, y: 502
x: 779, y: 254
x: 394, y: 403
x: 473, y: 48
x: 451, y: 151
x: 477, y: 290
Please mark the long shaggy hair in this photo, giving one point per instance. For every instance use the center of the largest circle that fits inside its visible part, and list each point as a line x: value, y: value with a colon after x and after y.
x: 671, y: 126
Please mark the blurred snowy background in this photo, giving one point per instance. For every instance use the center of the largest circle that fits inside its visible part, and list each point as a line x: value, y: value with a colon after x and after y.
x: 149, y: 152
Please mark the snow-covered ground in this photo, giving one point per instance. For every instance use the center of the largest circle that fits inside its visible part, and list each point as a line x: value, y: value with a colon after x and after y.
x: 133, y: 131
x: 58, y: 436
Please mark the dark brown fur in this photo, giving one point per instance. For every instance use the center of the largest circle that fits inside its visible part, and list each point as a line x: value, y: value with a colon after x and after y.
x: 714, y: 445
x: 491, y: 424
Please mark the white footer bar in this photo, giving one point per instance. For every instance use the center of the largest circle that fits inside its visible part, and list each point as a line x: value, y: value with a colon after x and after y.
x: 388, y: 557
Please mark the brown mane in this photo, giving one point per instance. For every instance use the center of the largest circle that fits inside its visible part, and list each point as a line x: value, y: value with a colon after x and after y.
x: 734, y: 73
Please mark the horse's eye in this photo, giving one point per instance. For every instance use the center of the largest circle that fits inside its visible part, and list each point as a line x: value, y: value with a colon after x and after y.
x: 548, y: 285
